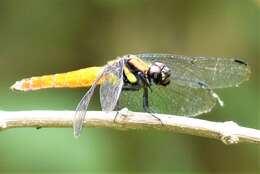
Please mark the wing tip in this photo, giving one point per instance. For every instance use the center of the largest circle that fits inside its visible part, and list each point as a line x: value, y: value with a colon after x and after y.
x: 76, y: 131
x: 76, y: 134
x: 247, y: 70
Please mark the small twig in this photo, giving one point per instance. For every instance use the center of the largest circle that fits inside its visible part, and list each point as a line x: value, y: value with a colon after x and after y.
x: 228, y: 132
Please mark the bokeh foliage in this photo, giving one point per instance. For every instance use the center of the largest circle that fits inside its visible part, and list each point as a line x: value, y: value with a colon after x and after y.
x: 50, y: 36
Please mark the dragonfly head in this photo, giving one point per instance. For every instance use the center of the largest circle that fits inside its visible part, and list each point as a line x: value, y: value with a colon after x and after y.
x: 159, y: 73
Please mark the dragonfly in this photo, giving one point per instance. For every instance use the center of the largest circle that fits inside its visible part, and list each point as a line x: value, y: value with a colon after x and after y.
x: 150, y: 82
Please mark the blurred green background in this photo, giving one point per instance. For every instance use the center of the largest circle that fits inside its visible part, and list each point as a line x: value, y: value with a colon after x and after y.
x: 50, y: 36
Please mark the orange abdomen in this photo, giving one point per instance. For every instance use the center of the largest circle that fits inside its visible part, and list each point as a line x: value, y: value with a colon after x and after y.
x: 79, y: 78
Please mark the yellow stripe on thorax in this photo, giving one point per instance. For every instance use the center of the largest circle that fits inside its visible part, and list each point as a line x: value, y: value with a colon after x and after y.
x: 138, y: 63
x: 129, y: 75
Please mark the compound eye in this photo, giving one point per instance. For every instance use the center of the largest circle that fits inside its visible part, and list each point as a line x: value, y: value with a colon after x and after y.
x: 160, y: 73
x: 166, y: 73
x: 166, y: 70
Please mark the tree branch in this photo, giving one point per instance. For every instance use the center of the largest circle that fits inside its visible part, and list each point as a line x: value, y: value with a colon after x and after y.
x: 228, y: 132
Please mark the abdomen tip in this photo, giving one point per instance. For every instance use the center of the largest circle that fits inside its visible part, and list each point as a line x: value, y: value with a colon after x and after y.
x: 16, y: 86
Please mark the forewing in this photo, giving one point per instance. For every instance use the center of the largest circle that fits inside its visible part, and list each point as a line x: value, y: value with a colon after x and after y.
x: 172, y: 99
x: 83, y: 105
x: 196, y: 72
x: 111, y: 85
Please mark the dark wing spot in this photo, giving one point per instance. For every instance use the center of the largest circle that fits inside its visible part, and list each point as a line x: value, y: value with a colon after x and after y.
x: 240, y: 61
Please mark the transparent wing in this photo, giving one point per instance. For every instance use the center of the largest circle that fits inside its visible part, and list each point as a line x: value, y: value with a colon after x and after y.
x: 172, y: 99
x: 210, y: 71
x: 83, y: 105
x: 111, y: 87
x: 111, y: 82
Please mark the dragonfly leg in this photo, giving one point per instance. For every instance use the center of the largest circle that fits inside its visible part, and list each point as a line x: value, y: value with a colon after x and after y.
x: 146, y: 105
x: 117, y: 113
x: 121, y: 113
x: 134, y: 87
x: 117, y: 108
x: 157, y: 118
x: 145, y: 100
x: 144, y: 80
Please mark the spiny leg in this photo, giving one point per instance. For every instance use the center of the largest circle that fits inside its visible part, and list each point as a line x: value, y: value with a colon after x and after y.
x: 146, y: 105
x: 117, y: 113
